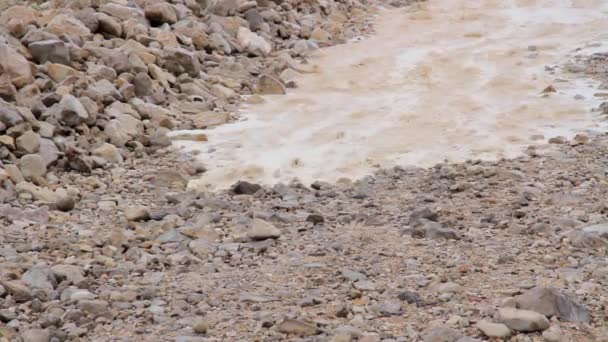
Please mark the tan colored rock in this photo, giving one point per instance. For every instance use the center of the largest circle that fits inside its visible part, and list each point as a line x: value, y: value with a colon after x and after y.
x: 17, y: 18
x: 8, y: 141
x: 18, y: 290
x: 262, y: 230
x: 68, y: 25
x: 109, y: 153
x: 210, y: 119
x: 28, y: 142
x: 269, y: 85
x: 14, y: 173
x: 160, y: 13
x: 59, y: 72
x: 190, y: 137
x: 494, y: 330
x: 15, y: 66
x: 222, y: 92
x: 298, y: 328
x: 320, y: 35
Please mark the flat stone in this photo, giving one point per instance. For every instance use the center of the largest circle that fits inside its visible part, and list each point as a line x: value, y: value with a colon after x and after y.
x: 522, y: 320
x: 440, y: 334
x: 36, y: 335
x: 298, y: 328
x: 262, y: 230
x: 254, y: 298
x: 599, y: 229
x: 494, y: 330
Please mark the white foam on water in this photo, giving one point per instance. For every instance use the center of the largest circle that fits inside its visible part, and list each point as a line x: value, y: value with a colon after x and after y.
x: 446, y: 79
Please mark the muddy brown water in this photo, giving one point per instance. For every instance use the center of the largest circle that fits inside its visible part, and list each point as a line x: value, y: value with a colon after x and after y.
x: 442, y: 80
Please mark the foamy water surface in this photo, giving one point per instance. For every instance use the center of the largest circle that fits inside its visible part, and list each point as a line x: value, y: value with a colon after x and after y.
x: 445, y: 79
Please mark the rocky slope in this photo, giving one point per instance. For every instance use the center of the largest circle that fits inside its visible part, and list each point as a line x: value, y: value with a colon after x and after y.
x: 86, y: 84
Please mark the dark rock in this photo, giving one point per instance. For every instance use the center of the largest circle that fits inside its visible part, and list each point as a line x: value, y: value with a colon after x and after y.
x: 245, y: 188
x: 54, y: 51
x: 315, y: 219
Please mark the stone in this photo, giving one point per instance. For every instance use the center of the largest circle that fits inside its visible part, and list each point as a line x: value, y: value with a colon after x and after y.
x: 210, y: 119
x: 179, y: 61
x: 245, y: 188
x: 66, y: 24
x: 365, y: 285
x: 160, y: 13
x: 39, y: 277
x: 143, y: 84
x: 411, y: 298
x: 28, y: 142
x: 54, y: 51
x: 70, y: 273
x: 200, y: 326
x: 71, y: 112
x: 38, y: 193
x: 18, y: 290
x: 253, y: 43
x: 74, y: 294
x: 65, y: 203
x: 8, y: 141
x: 14, y: 173
x: 15, y: 66
x: 109, y: 153
x: 494, y: 330
x: 298, y: 328
x: 59, y: 72
x: 550, y: 302
x: 522, y: 320
x: 17, y: 15
x: 121, y: 12
x: 137, y: 213
x: 202, y: 247
x: 440, y: 334
x: 269, y: 85
x: 9, y: 115
x: 32, y: 166
x: 320, y: 35
x: 255, y: 298
x: 553, y: 334
x: 36, y: 335
x: 388, y: 308
x: 93, y: 307
x: 37, y: 35
x: 8, y: 92
x: 598, y: 229
x: 315, y: 219
x: 254, y: 18
x: 48, y: 151
x: 109, y: 25
x: 262, y: 230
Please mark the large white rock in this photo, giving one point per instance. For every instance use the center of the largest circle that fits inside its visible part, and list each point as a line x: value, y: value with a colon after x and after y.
x: 252, y: 43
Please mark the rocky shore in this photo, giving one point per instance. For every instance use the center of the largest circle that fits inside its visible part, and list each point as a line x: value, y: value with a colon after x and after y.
x: 101, y: 241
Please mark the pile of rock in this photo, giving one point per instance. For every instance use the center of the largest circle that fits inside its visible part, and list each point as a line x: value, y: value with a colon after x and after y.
x: 85, y: 84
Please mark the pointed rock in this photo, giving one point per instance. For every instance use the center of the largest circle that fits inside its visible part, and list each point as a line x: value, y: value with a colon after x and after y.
x: 550, y: 302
